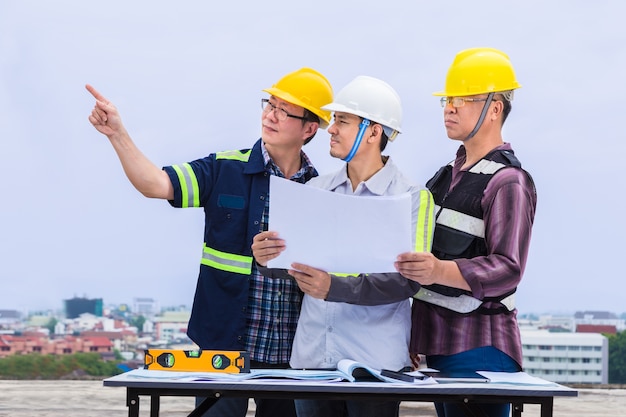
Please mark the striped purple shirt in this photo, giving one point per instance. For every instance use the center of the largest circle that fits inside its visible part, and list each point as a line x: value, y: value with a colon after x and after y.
x: 508, y: 204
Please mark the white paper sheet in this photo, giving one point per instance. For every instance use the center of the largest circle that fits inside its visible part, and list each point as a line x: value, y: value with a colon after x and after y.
x: 336, y: 232
x: 515, y: 378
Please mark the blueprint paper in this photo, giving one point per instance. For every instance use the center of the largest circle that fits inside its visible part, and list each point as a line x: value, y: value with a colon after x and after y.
x: 336, y: 232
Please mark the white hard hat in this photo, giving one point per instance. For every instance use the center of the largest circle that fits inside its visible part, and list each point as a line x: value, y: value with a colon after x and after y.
x: 372, y: 99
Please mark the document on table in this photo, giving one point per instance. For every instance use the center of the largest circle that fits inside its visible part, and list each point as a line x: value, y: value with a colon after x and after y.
x: 337, y: 232
x: 347, y: 370
x: 515, y: 378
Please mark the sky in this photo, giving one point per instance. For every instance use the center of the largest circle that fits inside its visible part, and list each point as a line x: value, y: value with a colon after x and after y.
x: 187, y: 80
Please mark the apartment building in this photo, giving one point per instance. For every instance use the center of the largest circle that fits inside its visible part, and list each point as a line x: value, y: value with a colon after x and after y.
x: 171, y: 325
x: 566, y: 358
x: 40, y: 343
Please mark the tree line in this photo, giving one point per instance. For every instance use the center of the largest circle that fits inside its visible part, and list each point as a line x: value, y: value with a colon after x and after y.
x: 38, y: 366
x: 617, y: 358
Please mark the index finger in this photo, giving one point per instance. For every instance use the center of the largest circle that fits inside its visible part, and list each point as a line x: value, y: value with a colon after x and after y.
x: 96, y: 94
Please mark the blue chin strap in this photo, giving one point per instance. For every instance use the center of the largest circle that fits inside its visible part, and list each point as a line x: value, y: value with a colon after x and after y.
x: 357, y: 142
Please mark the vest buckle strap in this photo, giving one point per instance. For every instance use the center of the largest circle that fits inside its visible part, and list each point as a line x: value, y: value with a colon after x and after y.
x: 461, y: 304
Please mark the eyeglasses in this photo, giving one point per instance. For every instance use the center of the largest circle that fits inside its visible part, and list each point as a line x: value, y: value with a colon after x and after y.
x: 281, y: 114
x: 458, y: 101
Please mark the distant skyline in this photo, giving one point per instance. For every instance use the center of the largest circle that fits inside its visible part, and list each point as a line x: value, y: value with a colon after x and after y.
x: 187, y: 79
x: 112, y: 304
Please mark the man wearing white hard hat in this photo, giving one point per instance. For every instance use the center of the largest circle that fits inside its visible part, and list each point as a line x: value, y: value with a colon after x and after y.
x: 367, y: 115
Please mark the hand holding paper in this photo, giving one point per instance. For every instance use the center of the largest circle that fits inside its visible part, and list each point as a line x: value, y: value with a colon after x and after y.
x: 266, y: 246
x: 312, y: 281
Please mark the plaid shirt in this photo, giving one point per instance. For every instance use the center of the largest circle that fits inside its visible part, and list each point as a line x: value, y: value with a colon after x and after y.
x: 274, y: 304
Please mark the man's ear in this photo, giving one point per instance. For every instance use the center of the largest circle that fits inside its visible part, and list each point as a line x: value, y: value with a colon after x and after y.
x: 498, y: 107
x: 310, y: 129
x: 377, y: 130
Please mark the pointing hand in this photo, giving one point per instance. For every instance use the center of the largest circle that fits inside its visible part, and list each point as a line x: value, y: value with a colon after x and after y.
x: 104, y: 116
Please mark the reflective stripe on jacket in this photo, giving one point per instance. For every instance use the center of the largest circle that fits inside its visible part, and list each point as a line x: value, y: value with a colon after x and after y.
x: 232, y: 188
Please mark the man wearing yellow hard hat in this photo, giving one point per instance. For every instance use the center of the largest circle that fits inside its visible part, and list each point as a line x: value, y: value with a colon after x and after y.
x: 236, y: 308
x: 464, y: 316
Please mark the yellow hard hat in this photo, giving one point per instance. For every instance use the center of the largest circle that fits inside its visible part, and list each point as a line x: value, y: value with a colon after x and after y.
x: 305, y: 88
x: 479, y: 71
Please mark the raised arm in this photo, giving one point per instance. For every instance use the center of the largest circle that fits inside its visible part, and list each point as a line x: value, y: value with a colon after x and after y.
x: 146, y: 177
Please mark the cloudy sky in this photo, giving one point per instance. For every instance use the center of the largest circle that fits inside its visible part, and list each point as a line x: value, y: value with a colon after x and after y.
x: 187, y: 79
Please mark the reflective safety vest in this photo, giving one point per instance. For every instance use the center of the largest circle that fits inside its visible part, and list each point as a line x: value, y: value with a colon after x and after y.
x: 460, y: 229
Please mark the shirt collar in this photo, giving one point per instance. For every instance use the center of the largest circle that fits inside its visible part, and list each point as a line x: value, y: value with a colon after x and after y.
x: 461, y: 152
x: 377, y: 184
x: 307, y: 170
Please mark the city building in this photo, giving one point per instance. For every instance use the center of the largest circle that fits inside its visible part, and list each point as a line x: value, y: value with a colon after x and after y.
x: 40, y: 343
x: 596, y: 328
x: 566, y: 358
x: 171, y: 326
x: 147, y: 307
x: 74, y: 307
x: 87, y: 332
x: 604, y: 318
x: 9, y: 318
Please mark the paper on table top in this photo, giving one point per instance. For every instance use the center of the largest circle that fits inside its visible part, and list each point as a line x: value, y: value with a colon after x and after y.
x: 515, y: 378
x: 337, y: 232
x: 510, y: 378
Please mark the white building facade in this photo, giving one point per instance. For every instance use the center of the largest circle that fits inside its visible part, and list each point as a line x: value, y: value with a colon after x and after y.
x: 566, y: 358
x: 171, y: 325
x: 147, y: 307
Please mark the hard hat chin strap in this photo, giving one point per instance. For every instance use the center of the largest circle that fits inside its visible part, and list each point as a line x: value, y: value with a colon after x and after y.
x: 482, y: 116
x: 357, y: 142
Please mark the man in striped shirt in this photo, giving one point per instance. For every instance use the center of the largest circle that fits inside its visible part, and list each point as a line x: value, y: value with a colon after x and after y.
x: 464, y: 317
